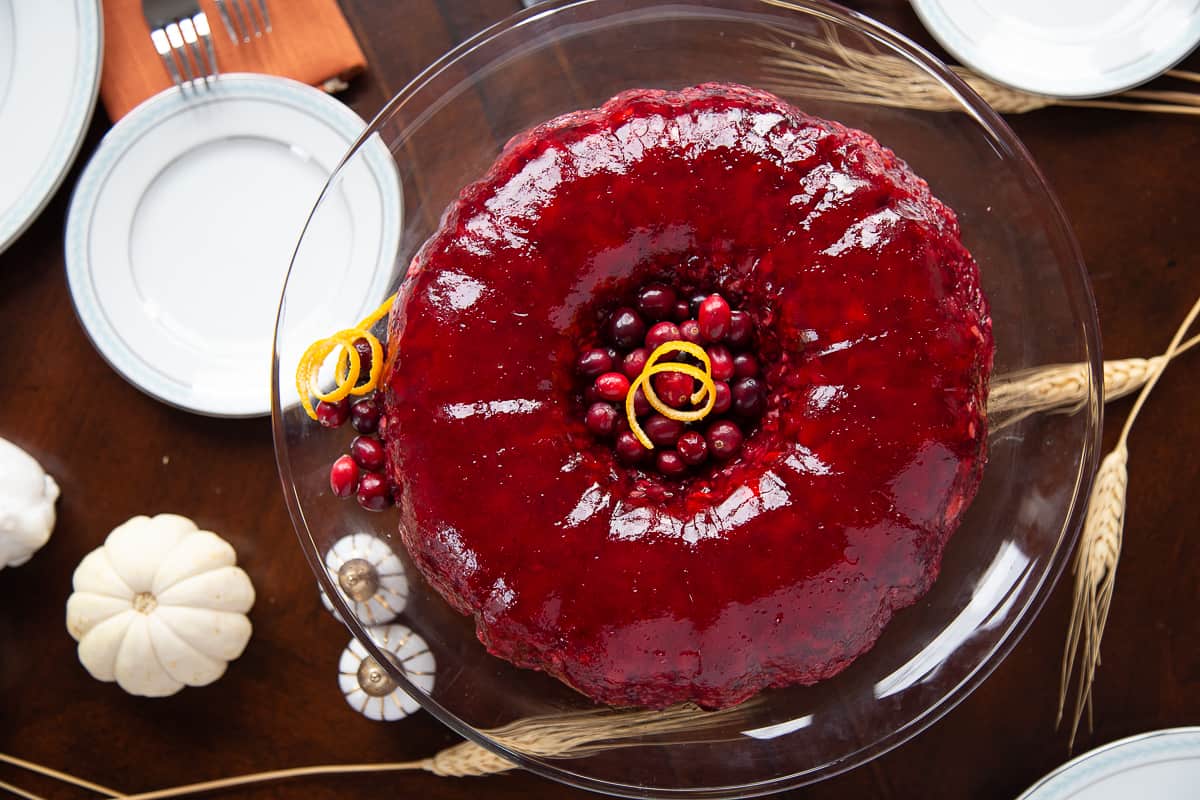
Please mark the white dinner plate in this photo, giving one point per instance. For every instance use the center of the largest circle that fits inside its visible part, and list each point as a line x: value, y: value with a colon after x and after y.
x: 1163, y: 765
x: 49, y: 75
x: 184, y: 223
x: 1065, y: 48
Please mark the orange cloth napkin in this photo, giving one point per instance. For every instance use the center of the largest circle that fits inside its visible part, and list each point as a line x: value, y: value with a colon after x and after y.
x: 310, y: 41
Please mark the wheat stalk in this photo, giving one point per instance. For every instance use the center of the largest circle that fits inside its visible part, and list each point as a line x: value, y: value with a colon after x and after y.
x: 1061, y: 388
x: 829, y: 70
x: 1095, y: 567
x: 567, y: 735
x: 1064, y: 387
x: 1095, y: 572
x: 17, y: 791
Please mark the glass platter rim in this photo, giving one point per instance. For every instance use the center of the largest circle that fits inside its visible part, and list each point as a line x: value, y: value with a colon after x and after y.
x: 1000, y: 135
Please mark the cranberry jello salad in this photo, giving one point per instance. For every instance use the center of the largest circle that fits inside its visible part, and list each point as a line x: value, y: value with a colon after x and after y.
x: 681, y: 401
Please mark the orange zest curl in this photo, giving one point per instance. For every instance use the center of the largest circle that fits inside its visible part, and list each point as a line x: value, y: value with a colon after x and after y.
x: 348, y: 360
x: 707, y: 388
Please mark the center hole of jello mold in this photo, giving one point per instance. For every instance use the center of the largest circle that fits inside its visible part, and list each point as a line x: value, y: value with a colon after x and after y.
x: 611, y: 363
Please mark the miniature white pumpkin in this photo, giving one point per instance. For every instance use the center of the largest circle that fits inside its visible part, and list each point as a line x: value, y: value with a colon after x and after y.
x: 366, y: 685
x: 27, y: 496
x: 160, y: 606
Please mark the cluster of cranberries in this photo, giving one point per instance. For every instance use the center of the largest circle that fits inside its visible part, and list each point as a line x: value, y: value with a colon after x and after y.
x: 360, y: 473
x: 659, y: 315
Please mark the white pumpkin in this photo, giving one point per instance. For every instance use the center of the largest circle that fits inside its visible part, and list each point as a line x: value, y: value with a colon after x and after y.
x: 160, y: 606
x: 27, y: 496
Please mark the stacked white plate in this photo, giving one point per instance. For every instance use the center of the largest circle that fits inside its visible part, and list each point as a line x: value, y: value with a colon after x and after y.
x: 184, y: 224
x: 49, y: 75
x: 1065, y: 48
x: 1163, y: 765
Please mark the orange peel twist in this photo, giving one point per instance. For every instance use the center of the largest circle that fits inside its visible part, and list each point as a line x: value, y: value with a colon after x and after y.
x: 707, y: 388
x: 349, y: 362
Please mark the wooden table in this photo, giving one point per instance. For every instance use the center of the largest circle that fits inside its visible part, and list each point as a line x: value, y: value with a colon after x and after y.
x: 1131, y: 186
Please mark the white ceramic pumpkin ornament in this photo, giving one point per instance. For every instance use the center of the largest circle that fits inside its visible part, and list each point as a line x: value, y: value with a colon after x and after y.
x: 370, y: 576
x: 367, y: 686
x: 160, y: 606
x: 27, y: 496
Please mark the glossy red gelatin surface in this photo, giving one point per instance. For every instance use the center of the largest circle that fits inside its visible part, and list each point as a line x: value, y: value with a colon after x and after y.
x: 778, y: 568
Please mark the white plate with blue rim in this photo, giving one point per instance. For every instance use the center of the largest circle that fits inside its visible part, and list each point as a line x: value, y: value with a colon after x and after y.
x: 1065, y: 48
x: 184, y: 223
x: 1164, y: 765
x: 50, y: 54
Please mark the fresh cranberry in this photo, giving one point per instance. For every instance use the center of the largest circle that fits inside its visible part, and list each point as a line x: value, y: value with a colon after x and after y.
x: 635, y: 362
x: 741, y: 330
x: 724, y: 440
x: 660, y: 334
x: 722, y: 362
x: 333, y: 415
x: 367, y: 452
x: 601, y: 419
x: 626, y: 329
x: 714, y: 318
x: 364, y: 415
x: 656, y: 301
x: 629, y: 449
x: 681, y: 311
x: 593, y: 362
x: 641, y: 406
x: 694, y: 302
x: 612, y: 386
x: 674, y: 388
x: 745, y: 366
x: 689, y: 329
x: 669, y: 463
x: 373, y: 494
x: 662, y: 431
x: 724, y: 398
x: 692, y: 448
x: 365, y: 358
x: 749, y: 397
x: 343, y: 477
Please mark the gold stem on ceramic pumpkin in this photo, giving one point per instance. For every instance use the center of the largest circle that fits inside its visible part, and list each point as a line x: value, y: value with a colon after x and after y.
x: 373, y: 679
x: 359, y: 579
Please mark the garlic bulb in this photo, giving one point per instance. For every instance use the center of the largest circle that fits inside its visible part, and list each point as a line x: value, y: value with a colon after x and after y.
x: 27, y: 496
x: 367, y: 686
x: 159, y: 606
x: 369, y: 575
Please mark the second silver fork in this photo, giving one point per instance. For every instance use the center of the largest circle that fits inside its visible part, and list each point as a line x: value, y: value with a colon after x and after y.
x: 249, y: 18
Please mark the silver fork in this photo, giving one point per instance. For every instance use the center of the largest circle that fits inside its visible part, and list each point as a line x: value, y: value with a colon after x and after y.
x: 243, y: 23
x: 180, y: 33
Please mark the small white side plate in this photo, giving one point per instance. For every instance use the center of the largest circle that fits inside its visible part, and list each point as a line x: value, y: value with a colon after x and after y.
x: 1164, y: 765
x: 49, y: 75
x: 184, y: 223
x: 1065, y: 48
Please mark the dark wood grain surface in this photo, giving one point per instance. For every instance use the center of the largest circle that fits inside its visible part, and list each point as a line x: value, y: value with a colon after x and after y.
x: 1131, y: 187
